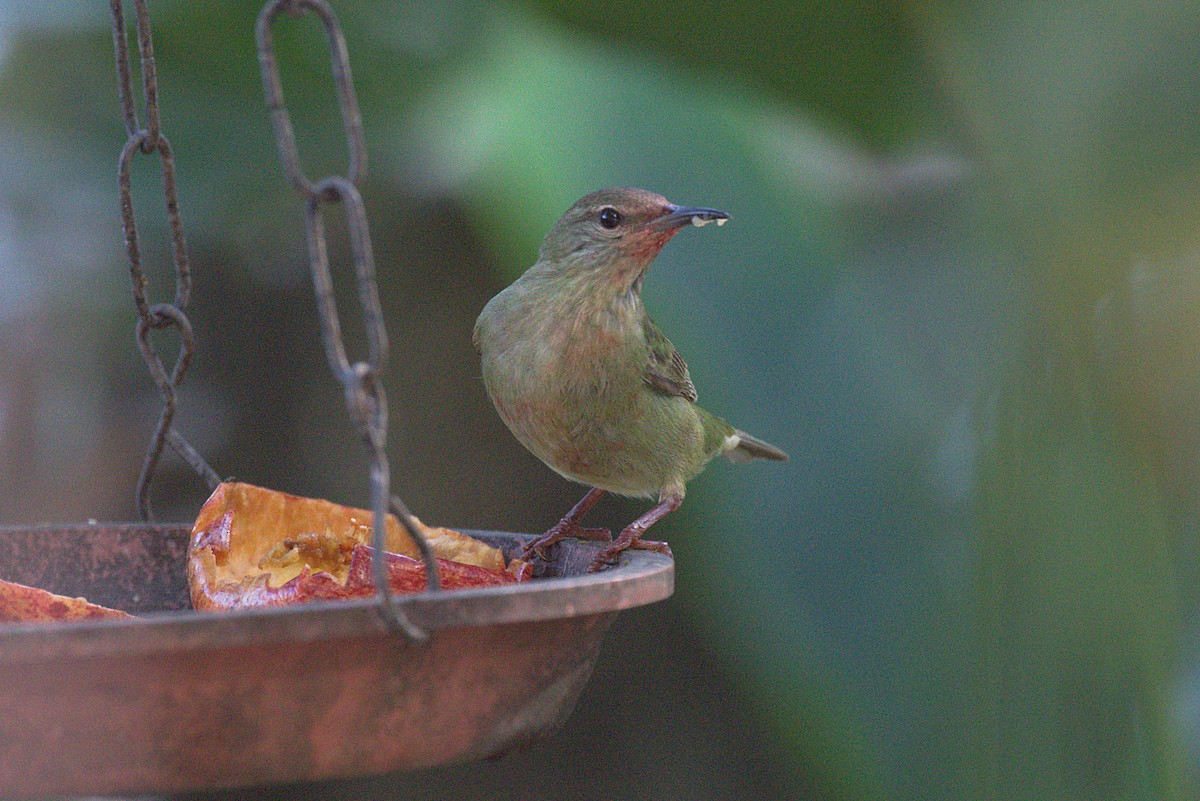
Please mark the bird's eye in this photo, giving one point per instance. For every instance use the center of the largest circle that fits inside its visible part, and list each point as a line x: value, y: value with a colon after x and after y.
x: 610, y: 218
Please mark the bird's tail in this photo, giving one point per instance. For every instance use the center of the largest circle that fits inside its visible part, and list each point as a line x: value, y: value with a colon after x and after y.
x: 746, y: 447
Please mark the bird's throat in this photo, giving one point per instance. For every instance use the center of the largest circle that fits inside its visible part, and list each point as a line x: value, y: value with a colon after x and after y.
x: 647, y: 245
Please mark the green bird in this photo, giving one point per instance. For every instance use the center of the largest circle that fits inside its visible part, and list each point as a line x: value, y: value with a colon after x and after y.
x: 588, y: 383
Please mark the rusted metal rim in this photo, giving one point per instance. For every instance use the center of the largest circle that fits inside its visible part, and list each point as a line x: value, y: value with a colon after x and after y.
x: 643, y: 577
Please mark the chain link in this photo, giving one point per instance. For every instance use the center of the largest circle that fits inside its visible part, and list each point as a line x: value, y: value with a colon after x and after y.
x: 366, y: 400
x: 343, y: 85
x: 147, y: 141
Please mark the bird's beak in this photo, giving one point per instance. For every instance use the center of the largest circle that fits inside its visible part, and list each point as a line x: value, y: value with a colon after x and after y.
x: 679, y: 216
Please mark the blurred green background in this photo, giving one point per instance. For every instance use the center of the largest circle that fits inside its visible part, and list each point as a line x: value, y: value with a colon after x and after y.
x: 961, y: 288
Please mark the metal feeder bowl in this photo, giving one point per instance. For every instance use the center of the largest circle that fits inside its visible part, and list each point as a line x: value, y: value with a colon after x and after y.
x: 177, y: 700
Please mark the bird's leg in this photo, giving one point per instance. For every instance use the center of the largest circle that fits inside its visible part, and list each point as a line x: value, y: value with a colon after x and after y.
x: 631, y: 537
x: 569, y: 527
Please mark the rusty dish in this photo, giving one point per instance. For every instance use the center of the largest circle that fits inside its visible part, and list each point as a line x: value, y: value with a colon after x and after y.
x: 178, y: 700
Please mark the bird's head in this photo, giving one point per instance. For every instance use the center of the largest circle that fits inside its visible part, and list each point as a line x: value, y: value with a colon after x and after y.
x: 617, y: 232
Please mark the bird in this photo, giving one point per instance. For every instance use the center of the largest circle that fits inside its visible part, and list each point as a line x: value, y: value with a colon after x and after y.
x: 588, y: 383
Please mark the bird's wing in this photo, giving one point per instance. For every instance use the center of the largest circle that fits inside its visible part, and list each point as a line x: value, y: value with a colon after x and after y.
x: 666, y: 371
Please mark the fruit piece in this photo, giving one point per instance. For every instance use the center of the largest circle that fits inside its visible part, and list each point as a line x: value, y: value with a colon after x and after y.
x: 22, y: 604
x: 257, y: 547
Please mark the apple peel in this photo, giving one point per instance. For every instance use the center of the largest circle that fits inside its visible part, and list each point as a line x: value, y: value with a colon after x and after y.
x: 255, y: 547
x: 22, y: 604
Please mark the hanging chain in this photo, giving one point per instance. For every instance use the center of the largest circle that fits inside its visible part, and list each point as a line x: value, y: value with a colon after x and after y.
x: 366, y: 400
x: 147, y: 141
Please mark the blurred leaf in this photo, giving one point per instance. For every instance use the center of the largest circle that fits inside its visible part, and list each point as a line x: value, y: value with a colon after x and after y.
x: 1078, y: 616
x: 856, y: 65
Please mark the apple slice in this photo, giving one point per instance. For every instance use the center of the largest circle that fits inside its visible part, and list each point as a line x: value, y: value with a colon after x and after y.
x: 253, y: 547
x: 22, y: 604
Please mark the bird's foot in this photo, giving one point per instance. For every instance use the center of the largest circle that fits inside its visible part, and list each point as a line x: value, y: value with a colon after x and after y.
x: 562, y: 530
x: 609, y: 556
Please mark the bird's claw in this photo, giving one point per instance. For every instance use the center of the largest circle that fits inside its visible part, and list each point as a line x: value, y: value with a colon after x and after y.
x: 561, y: 531
x: 609, y: 556
x: 651, y: 545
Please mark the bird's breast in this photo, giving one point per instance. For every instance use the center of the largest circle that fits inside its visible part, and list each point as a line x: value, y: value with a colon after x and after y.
x: 569, y: 384
x: 559, y: 389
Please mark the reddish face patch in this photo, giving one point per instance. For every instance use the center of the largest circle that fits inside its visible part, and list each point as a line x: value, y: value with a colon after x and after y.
x: 647, y: 245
